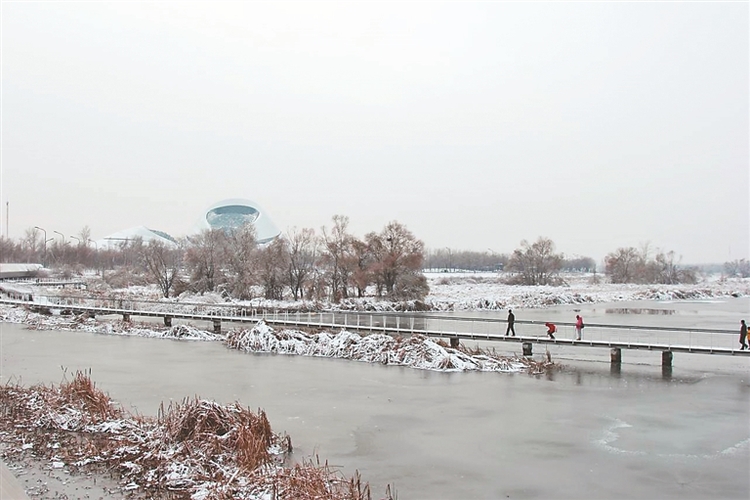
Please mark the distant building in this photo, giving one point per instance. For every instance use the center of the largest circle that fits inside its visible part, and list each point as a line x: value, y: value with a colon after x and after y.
x: 235, y: 213
x: 227, y: 214
x: 143, y: 233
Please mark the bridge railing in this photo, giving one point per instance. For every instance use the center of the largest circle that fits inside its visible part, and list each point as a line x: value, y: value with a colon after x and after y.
x: 407, y: 323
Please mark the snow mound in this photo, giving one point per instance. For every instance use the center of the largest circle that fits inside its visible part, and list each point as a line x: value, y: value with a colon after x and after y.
x: 417, y: 351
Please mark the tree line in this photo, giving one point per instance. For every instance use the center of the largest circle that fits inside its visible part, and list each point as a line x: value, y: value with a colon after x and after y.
x: 332, y: 264
x: 302, y: 264
x: 539, y: 264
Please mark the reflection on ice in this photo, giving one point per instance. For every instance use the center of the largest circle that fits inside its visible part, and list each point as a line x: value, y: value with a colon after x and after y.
x: 639, y: 310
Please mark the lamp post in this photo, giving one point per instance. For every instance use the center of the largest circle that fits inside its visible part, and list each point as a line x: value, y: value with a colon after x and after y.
x: 63, y: 236
x: 44, y: 259
x: 77, y: 239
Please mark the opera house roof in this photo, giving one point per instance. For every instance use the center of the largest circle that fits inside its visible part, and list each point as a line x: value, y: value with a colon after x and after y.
x: 226, y: 214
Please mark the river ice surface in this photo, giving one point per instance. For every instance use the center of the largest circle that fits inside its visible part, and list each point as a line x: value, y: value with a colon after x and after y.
x: 587, y: 431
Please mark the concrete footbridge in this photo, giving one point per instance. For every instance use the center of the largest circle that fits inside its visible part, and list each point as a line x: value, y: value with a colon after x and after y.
x: 665, y: 340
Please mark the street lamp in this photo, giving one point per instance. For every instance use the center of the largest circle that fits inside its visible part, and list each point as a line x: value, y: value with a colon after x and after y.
x: 77, y: 239
x: 44, y: 259
x: 95, y: 244
x: 63, y: 236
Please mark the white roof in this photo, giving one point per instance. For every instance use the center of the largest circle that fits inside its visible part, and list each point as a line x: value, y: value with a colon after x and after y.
x: 142, y: 232
x: 265, y: 229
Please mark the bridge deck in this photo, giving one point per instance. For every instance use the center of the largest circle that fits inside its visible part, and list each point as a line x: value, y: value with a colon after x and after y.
x: 298, y: 321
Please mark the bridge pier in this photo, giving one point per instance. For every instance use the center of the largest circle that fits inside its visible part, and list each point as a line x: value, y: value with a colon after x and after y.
x: 615, y: 356
x: 217, y: 326
x: 454, y: 342
x: 666, y: 358
x: 126, y: 317
x: 527, y: 348
x: 167, y: 320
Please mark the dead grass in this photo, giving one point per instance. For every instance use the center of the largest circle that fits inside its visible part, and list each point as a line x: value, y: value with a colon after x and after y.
x: 194, y: 449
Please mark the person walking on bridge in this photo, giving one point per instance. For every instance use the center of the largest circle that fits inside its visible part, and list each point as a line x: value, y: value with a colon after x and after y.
x: 579, y: 327
x: 511, y: 322
x: 743, y: 334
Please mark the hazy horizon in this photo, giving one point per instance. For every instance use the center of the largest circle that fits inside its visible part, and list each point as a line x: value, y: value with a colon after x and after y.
x: 476, y: 125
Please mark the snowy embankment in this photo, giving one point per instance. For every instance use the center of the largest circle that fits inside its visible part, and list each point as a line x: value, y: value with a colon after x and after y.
x: 36, y: 321
x: 416, y: 351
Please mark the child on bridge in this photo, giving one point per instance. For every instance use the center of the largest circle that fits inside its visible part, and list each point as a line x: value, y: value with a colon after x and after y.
x: 551, y: 329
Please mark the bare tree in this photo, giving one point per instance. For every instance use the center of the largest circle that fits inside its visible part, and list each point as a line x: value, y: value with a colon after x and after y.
x: 337, y: 245
x: 273, y: 262
x: 668, y: 271
x: 537, y: 263
x: 302, y: 248
x: 162, y: 264
x: 740, y: 267
x: 32, y: 244
x: 85, y: 234
x: 240, y: 253
x: 362, y: 266
x: 629, y: 265
x: 397, y: 258
x: 623, y: 265
x: 204, y: 258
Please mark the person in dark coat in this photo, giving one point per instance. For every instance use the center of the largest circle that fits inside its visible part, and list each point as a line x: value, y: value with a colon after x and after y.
x: 743, y: 334
x: 511, y: 322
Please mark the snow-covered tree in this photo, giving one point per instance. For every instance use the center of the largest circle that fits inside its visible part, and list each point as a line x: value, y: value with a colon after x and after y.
x: 536, y: 263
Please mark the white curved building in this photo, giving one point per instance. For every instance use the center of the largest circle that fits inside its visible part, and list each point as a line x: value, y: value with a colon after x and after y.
x: 236, y: 212
x: 143, y: 233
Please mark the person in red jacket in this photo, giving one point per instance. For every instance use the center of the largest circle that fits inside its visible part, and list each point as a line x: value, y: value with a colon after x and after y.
x: 551, y: 329
x: 579, y: 327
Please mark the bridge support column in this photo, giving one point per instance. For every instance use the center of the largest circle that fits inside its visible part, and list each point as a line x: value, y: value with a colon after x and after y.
x: 167, y: 320
x: 615, y: 355
x: 666, y: 358
x: 126, y: 317
x: 454, y: 342
x: 527, y: 348
x: 217, y: 326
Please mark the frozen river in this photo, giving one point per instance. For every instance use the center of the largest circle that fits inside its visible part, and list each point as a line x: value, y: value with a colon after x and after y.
x: 583, y: 432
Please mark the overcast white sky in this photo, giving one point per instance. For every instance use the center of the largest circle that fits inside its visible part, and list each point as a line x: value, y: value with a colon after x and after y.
x: 476, y: 125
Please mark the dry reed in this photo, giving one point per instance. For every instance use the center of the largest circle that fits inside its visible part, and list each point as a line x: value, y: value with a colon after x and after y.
x: 195, y: 449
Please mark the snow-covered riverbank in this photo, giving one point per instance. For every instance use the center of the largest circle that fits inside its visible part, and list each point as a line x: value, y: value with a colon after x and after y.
x: 461, y: 292
x: 416, y: 351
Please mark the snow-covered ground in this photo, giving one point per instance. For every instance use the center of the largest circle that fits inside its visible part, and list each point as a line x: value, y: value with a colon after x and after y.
x: 470, y: 291
x: 478, y: 291
x: 457, y: 292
